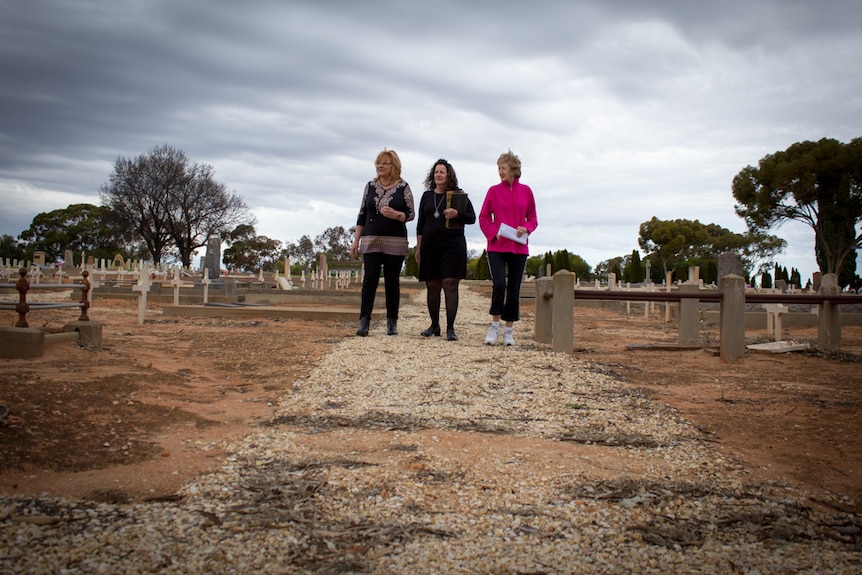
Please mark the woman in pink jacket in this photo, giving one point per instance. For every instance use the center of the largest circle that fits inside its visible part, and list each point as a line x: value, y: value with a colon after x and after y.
x: 507, y: 219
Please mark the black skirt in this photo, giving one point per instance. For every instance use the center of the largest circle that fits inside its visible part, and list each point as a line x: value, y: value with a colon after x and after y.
x: 443, y: 255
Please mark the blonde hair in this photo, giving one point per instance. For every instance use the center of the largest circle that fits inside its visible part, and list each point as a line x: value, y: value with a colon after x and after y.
x: 511, y: 160
x: 392, y: 156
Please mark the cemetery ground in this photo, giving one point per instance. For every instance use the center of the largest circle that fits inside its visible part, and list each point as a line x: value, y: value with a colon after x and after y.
x: 153, y: 409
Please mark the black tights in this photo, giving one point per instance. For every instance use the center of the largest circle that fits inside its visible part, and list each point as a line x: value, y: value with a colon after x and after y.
x: 448, y: 286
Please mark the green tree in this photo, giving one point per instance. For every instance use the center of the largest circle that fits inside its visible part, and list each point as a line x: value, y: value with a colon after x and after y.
x: 562, y: 261
x: 302, y: 252
x: 847, y: 271
x: 172, y: 203
x: 534, y: 264
x: 817, y: 183
x: 580, y: 267
x: 249, y: 252
x: 796, y: 277
x: 548, y: 263
x: 94, y: 230
x: 11, y: 249
x: 411, y: 267
x: 335, y: 242
x: 634, y: 270
x: 482, y: 271
x: 671, y: 242
x: 606, y: 267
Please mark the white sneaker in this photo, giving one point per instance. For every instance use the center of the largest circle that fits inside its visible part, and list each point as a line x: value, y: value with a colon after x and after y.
x: 508, y: 339
x: 493, y: 334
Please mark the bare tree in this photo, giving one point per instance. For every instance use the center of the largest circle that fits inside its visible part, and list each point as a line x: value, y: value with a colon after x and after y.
x: 137, y: 191
x: 171, y: 202
x: 203, y: 208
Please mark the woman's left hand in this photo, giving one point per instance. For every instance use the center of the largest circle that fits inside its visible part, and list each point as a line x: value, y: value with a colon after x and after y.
x: 521, y: 231
x: 450, y: 213
x: 391, y: 213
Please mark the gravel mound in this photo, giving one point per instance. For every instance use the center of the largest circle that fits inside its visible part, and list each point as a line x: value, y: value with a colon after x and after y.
x: 637, y: 488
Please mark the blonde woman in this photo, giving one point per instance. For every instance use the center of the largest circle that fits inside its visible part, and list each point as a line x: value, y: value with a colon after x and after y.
x: 381, y: 238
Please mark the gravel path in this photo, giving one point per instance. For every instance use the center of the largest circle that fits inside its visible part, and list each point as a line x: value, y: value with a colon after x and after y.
x: 407, y: 455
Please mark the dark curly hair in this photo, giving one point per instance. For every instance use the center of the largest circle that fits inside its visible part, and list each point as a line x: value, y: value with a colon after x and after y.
x: 451, y: 180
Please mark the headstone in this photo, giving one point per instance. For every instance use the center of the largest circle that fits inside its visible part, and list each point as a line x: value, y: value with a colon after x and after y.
x: 729, y: 263
x: 647, y: 272
x: 69, y: 258
x: 694, y: 274
x: 39, y: 258
x: 212, y: 259
x: 781, y: 286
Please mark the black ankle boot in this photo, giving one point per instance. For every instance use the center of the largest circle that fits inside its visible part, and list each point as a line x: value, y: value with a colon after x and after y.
x: 433, y: 330
x: 391, y: 326
x: 364, y: 324
x: 450, y: 334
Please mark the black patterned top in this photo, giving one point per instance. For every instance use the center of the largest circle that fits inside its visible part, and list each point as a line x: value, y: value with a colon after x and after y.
x: 379, y: 233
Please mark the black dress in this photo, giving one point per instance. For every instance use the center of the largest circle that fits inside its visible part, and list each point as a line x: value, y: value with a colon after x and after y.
x: 443, y: 252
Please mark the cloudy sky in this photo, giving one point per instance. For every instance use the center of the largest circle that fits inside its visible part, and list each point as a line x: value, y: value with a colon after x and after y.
x: 619, y: 110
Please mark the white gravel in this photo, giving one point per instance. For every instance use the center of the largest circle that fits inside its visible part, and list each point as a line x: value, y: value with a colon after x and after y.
x: 637, y: 488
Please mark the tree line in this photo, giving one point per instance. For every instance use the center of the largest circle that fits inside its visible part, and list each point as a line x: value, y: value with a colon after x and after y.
x: 162, y: 207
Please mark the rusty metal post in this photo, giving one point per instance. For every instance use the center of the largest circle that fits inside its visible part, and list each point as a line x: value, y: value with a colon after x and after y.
x: 85, y: 296
x: 22, y: 285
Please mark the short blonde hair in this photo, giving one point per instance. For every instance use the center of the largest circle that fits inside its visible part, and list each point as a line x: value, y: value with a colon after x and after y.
x: 390, y: 156
x: 511, y: 160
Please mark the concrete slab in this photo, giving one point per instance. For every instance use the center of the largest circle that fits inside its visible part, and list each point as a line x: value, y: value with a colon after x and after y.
x: 778, y: 346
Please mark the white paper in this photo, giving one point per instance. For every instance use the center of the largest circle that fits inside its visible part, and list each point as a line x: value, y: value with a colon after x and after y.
x: 508, y: 232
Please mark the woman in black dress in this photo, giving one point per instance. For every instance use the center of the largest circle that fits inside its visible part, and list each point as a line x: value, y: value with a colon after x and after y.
x: 441, y: 249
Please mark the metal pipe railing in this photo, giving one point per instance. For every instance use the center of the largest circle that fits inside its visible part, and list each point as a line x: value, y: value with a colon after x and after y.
x: 22, y: 308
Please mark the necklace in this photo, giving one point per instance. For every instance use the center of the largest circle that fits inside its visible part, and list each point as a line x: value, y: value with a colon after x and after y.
x: 437, y: 205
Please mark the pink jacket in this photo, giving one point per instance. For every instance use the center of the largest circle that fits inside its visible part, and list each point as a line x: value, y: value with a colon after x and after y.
x: 513, y: 205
